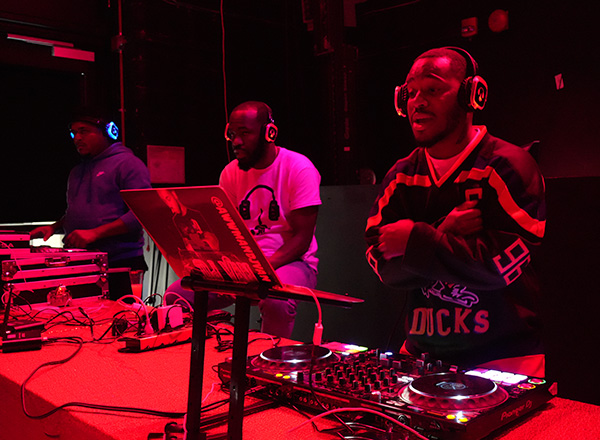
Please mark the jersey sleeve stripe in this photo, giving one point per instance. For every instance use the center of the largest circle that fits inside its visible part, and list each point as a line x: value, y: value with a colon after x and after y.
x: 403, y: 179
x: 519, y: 215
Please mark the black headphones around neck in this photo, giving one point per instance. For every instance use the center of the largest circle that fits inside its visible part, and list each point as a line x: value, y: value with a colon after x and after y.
x: 472, y: 94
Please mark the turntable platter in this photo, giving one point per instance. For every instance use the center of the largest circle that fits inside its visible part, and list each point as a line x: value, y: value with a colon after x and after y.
x: 453, y: 391
x: 294, y: 358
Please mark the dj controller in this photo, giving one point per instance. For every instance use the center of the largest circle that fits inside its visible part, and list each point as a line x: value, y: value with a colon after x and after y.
x: 434, y: 399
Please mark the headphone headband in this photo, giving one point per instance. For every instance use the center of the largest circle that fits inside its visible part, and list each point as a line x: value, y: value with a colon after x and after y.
x: 109, y: 129
x: 268, y: 131
x: 474, y: 67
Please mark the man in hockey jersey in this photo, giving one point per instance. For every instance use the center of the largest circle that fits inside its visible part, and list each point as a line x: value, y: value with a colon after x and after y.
x: 456, y: 223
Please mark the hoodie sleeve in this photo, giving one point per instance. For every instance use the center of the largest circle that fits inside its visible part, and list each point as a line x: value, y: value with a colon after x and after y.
x: 134, y: 175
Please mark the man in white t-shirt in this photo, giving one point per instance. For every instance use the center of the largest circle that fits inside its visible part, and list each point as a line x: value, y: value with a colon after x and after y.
x: 277, y: 193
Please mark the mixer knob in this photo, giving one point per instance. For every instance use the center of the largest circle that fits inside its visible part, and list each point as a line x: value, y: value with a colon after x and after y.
x: 377, y: 385
x: 300, y: 376
x: 368, y: 387
x: 355, y: 384
x: 318, y: 377
x: 375, y: 396
x: 386, y: 382
x: 397, y: 365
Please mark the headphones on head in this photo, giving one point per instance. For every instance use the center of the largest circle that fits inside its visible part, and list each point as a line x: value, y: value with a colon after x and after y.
x: 472, y: 94
x: 109, y: 129
x: 244, y: 207
x: 268, y: 131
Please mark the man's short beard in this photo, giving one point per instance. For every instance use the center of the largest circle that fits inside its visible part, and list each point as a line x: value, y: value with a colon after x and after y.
x: 254, y: 158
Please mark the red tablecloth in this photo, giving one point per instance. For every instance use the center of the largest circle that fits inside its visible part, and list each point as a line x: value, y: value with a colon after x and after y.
x: 158, y: 380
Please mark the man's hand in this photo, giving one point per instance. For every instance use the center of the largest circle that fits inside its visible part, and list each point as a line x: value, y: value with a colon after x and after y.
x: 80, y: 238
x: 393, y: 238
x: 463, y: 220
x: 44, y: 232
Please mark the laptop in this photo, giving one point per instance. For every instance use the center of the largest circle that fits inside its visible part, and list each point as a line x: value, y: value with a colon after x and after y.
x: 201, y: 234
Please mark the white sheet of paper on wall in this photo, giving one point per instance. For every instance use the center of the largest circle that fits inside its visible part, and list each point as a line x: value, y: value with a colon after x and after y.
x: 559, y: 81
x: 166, y: 164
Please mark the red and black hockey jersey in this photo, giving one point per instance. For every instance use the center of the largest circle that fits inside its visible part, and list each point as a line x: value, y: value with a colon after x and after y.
x: 472, y: 299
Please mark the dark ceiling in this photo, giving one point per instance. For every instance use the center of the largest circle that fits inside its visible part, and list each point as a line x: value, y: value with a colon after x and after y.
x: 328, y: 72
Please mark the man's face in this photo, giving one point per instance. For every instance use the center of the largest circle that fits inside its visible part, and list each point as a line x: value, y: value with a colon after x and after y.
x: 170, y: 200
x: 245, y: 134
x: 433, y: 110
x: 88, y: 139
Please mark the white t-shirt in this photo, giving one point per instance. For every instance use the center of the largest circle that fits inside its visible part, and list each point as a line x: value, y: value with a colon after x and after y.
x: 290, y: 182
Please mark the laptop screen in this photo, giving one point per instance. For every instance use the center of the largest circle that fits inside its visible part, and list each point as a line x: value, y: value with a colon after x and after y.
x: 200, y: 232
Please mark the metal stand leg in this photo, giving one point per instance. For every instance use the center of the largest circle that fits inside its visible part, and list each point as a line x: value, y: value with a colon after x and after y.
x: 192, y: 423
x: 237, y: 385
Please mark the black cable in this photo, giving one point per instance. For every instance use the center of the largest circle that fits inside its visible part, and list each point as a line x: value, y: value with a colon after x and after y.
x: 151, y: 412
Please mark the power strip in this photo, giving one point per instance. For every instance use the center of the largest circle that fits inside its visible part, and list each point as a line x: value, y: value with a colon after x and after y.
x: 138, y: 344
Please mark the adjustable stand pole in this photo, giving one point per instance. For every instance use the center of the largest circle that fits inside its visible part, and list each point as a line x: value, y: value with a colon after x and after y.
x: 237, y: 386
x: 192, y: 423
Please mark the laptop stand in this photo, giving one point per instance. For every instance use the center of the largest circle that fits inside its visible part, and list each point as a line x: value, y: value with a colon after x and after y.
x: 237, y: 387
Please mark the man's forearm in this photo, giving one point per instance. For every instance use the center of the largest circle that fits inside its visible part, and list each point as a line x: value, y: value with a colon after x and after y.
x: 116, y: 227
x: 291, y: 250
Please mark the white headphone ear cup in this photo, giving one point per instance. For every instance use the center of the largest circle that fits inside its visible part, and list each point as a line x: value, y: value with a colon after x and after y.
x: 401, y: 100
x: 478, y: 93
x: 270, y: 132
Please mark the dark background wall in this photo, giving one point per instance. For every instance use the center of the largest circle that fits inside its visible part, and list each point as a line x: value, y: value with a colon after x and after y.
x: 328, y: 68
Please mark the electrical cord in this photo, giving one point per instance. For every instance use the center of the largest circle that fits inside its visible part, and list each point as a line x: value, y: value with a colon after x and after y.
x: 302, y: 413
x: 148, y: 330
x: 223, y: 70
x: 111, y: 408
x: 179, y: 298
x: 365, y: 410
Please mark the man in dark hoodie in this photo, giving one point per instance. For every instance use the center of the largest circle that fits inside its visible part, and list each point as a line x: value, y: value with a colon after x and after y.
x: 97, y: 218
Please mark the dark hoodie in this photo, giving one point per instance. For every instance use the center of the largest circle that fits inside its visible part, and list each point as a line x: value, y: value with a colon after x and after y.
x: 93, y: 199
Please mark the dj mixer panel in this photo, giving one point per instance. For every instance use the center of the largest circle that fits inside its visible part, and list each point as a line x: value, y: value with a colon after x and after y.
x: 437, y: 400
